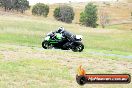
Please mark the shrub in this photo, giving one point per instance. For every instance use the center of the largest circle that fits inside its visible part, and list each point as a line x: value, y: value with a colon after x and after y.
x: 107, y: 3
x: 104, y: 18
x: 57, y: 13
x: 19, y: 5
x: 64, y: 14
x: 40, y: 9
x: 89, y: 16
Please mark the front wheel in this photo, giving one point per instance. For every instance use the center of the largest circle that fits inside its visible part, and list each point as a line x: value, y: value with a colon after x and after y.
x: 46, y: 45
x: 78, y: 47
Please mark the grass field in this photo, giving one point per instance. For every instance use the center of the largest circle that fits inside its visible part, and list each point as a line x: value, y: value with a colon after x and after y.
x: 116, y: 12
x: 25, y: 64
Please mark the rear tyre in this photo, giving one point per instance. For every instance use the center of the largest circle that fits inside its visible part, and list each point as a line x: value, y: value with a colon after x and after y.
x: 46, y: 45
x: 78, y: 47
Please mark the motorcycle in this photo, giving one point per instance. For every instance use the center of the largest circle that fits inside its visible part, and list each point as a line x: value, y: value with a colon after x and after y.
x: 57, y: 40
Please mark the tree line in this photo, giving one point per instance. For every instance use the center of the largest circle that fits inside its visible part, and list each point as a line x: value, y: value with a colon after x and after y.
x: 18, y: 5
x: 64, y: 13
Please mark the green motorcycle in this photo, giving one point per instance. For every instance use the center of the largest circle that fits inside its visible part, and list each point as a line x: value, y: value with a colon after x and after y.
x: 57, y: 40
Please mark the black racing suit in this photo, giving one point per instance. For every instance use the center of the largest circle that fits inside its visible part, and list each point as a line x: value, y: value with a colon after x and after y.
x: 70, y: 37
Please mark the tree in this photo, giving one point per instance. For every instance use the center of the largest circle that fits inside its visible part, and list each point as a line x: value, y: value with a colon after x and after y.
x: 21, y: 5
x: 104, y: 18
x: 4, y: 3
x: 64, y: 13
x: 40, y: 9
x: 57, y: 13
x: 89, y: 16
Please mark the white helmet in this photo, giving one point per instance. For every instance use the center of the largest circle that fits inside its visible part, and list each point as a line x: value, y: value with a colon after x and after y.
x: 60, y: 29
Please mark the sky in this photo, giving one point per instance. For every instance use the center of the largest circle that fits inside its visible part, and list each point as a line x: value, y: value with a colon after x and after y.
x: 32, y: 2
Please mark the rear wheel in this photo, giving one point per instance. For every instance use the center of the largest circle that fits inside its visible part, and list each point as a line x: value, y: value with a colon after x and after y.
x: 78, y: 47
x: 46, y: 45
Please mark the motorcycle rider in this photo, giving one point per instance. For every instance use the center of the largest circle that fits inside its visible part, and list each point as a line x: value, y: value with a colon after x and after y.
x: 63, y: 39
x: 66, y: 34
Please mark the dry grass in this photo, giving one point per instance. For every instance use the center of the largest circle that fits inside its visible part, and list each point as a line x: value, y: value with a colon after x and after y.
x: 23, y: 63
x: 29, y: 67
x: 116, y: 11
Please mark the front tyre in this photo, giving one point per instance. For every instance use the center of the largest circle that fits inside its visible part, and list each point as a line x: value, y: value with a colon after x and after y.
x: 78, y: 47
x: 46, y: 45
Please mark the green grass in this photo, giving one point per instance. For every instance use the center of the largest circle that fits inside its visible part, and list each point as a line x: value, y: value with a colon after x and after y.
x: 23, y: 62
x: 1, y: 56
x: 121, y: 42
x: 31, y: 32
x: 32, y: 73
x: 21, y: 39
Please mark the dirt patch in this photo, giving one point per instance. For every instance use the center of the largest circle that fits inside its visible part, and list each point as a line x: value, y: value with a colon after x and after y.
x: 92, y: 65
x: 69, y: 60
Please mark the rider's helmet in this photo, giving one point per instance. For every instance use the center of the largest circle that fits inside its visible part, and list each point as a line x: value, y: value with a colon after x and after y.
x: 60, y: 30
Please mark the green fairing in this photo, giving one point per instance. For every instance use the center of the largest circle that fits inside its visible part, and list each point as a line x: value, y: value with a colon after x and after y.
x: 53, y: 42
x: 59, y: 36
